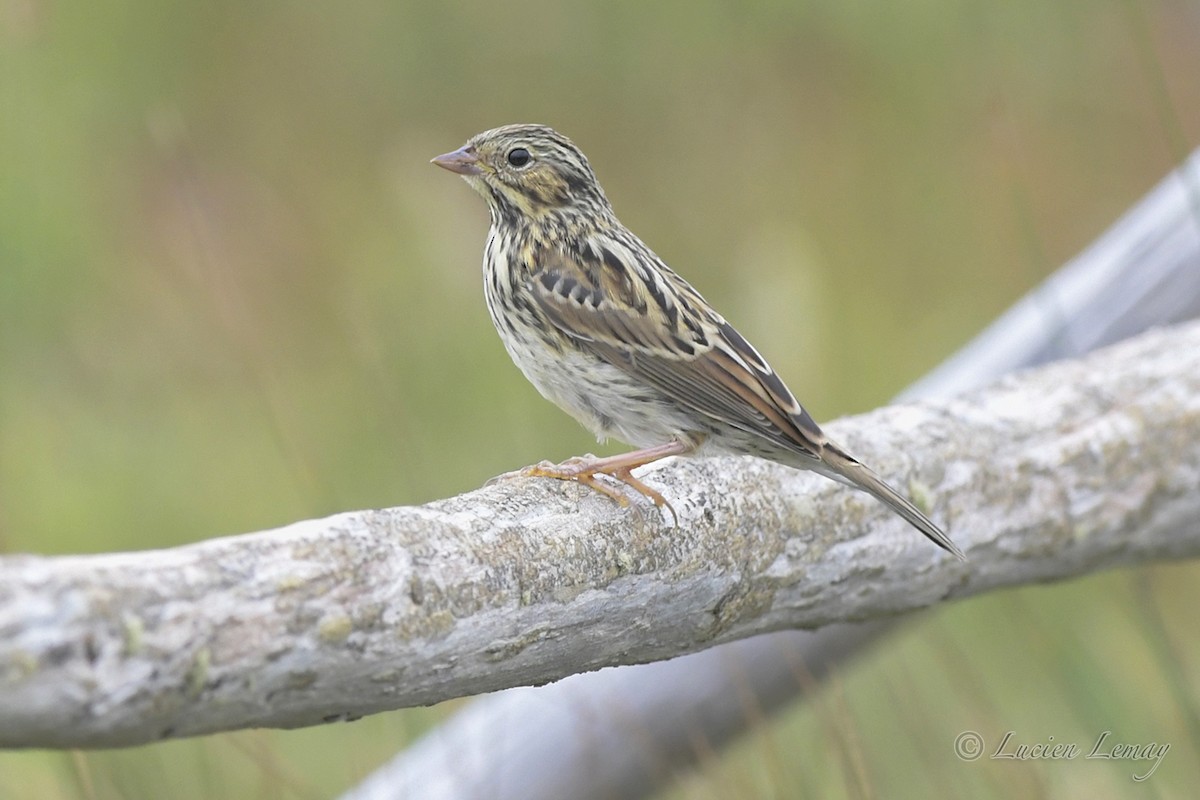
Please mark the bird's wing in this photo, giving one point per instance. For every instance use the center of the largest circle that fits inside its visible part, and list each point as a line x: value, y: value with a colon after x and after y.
x: 623, y: 304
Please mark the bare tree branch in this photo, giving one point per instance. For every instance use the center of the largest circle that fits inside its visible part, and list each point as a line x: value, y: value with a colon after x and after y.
x: 1073, y: 468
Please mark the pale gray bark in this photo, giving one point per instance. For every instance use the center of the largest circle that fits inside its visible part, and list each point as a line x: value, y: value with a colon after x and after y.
x: 622, y: 732
x: 1059, y: 472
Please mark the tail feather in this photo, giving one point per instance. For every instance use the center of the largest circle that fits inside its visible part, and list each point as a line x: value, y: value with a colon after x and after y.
x: 846, y: 468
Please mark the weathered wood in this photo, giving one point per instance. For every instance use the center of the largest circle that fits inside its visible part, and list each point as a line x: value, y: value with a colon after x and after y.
x: 1059, y: 472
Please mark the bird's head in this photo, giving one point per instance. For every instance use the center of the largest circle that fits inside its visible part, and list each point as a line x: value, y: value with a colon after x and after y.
x: 527, y: 171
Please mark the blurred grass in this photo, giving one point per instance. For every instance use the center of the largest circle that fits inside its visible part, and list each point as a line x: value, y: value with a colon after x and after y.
x: 1056, y: 665
x: 233, y: 294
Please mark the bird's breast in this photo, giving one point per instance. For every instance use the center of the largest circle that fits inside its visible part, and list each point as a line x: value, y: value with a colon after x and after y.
x: 603, y: 398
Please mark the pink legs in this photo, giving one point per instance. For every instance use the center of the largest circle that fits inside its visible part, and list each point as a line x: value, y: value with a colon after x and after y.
x: 584, y: 469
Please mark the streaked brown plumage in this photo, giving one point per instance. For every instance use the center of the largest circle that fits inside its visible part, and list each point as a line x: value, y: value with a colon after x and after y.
x: 609, y: 333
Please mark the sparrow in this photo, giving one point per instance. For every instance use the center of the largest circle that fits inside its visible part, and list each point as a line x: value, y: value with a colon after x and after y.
x: 605, y: 330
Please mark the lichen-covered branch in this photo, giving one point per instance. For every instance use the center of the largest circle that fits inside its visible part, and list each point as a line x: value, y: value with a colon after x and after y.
x: 1063, y: 471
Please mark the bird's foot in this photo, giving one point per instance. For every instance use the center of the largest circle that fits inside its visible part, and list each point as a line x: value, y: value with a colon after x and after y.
x: 585, y: 469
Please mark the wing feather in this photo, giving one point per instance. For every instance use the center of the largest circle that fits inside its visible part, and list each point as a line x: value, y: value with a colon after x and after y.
x: 656, y: 327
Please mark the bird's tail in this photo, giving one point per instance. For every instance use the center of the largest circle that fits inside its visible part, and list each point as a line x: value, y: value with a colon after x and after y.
x: 844, y: 467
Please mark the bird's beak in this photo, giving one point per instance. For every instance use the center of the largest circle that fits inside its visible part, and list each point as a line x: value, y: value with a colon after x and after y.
x: 463, y: 161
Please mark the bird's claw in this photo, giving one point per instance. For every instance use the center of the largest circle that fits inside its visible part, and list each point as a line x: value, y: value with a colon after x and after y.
x: 584, y: 470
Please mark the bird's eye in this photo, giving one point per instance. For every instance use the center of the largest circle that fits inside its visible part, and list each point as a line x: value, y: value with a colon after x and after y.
x: 519, y: 157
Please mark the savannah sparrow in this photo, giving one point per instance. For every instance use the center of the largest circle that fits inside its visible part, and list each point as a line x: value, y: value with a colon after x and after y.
x: 610, y: 334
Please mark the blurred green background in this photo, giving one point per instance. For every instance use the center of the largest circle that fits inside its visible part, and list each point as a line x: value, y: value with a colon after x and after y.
x: 234, y: 294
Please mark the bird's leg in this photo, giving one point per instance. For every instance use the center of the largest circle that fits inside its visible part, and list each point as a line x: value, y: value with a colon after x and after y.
x: 584, y: 470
